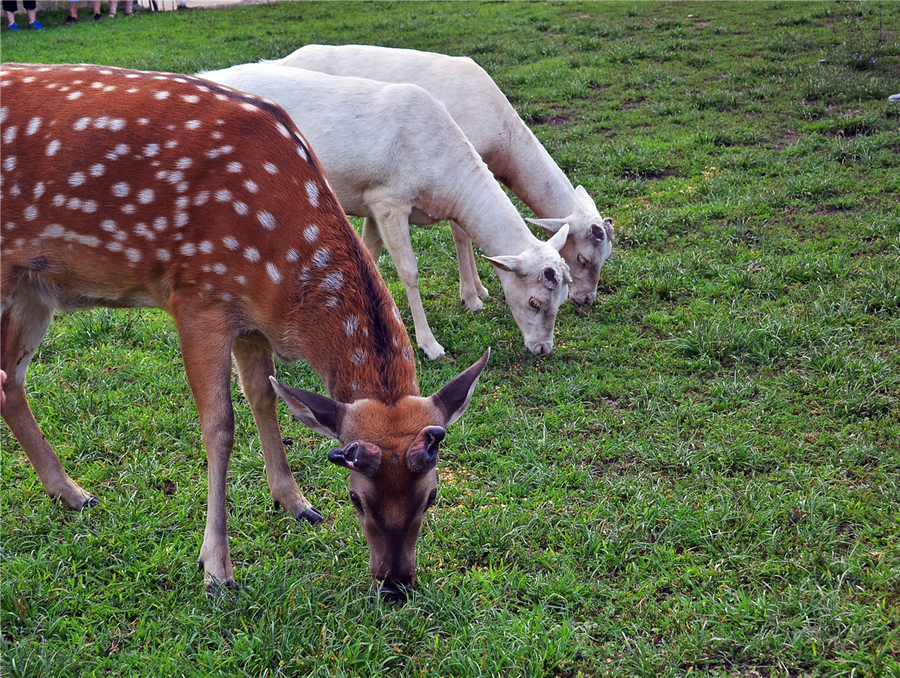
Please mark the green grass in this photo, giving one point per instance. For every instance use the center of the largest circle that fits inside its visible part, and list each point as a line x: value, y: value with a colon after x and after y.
x: 703, y: 477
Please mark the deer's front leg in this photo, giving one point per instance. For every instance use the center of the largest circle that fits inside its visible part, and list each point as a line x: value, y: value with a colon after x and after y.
x: 471, y: 290
x: 393, y: 224
x: 206, y: 350
x: 255, y: 364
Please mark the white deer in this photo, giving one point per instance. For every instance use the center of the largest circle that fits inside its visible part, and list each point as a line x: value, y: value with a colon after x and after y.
x: 499, y: 135
x: 395, y: 157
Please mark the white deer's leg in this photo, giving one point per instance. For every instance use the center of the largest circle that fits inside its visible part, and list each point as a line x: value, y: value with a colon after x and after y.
x: 371, y: 237
x: 471, y: 291
x: 255, y: 364
x: 23, y: 326
x: 394, y: 228
x: 206, y: 350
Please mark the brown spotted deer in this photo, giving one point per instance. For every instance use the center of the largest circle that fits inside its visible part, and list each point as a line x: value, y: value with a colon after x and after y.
x: 137, y: 189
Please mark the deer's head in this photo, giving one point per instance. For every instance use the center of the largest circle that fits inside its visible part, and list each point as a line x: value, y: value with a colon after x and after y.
x: 587, y: 248
x: 392, y: 453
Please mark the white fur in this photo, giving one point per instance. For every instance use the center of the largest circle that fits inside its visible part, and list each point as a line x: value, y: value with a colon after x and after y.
x: 394, y: 156
x: 509, y: 148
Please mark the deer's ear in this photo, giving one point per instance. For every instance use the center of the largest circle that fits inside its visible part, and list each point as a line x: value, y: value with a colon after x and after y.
x: 320, y: 413
x: 454, y: 397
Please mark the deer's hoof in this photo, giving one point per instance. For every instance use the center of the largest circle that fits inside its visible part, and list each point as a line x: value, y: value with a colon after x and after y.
x: 312, y: 516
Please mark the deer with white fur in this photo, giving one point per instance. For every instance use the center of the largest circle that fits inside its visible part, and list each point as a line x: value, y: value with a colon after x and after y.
x: 510, y: 149
x: 395, y: 157
x: 137, y: 189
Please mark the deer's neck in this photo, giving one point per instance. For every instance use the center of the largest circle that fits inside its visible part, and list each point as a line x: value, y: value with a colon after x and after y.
x: 532, y: 175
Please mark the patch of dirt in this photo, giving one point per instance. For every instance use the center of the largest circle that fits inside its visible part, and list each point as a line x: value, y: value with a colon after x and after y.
x: 786, y: 140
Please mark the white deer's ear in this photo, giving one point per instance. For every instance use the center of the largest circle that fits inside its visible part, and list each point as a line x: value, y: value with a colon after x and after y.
x: 320, y: 413
x: 559, y: 239
x: 506, y: 262
x: 550, y: 226
x: 585, y: 198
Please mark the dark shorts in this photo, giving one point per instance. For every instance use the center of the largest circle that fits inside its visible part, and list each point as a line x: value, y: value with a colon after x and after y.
x: 13, y: 5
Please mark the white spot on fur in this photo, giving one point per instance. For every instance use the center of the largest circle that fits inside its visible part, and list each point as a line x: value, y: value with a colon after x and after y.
x: 333, y: 282
x: 252, y: 254
x: 206, y: 247
x: 251, y: 186
x: 311, y: 234
x: 184, y: 163
x: 161, y: 95
x: 190, y: 98
x: 322, y: 257
x: 273, y: 273
x: 241, y: 208
x: 151, y: 150
x: 358, y: 357
x: 77, y: 179
x: 313, y: 192
x: 351, y: 324
x: 192, y: 124
x: 163, y: 255
x: 293, y: 256
x: 146, y: 196
x: 201, y: 198
x: 230, y: 242
x: 270, y: 168
x: 31, y: 213
x: 9, y: 134
x: 160, y: 223
x: 97, y: 170
x: 223, y: 195
x: 9, y: 164
x: 121, y: 189
x: 188, y: 249
x: 220, y: 268
x: 53, y: 147
x: 234, y: 167
x: 133, y: 255
x: 267, y: 220
x: 81, y: 124
x: 33, y: 126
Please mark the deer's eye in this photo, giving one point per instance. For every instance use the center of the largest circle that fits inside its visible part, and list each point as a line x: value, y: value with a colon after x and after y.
x: 357, y: 502
x: 535, y: 304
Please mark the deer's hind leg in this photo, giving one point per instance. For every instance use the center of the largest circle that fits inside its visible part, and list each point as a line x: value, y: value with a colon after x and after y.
x: 25, y: 321
x: 471, y: 289
x: 255, y: 365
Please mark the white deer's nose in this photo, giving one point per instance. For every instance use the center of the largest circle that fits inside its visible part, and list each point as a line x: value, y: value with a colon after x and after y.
x: 540, y: 347
x: 584, y: 298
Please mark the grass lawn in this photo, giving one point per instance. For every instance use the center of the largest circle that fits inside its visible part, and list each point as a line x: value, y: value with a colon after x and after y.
x: 702, y: 478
